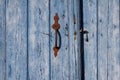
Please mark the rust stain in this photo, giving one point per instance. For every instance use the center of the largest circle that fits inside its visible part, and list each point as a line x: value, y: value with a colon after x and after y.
x: 75, y: 33
x: 74, y: 20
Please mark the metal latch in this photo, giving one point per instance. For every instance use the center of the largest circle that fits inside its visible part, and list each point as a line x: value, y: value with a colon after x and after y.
x: 85, y: 32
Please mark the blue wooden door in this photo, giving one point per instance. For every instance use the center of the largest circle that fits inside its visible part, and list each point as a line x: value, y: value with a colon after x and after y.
x: 102, y: 52
x: 27, y: 40
x: 43, y: 65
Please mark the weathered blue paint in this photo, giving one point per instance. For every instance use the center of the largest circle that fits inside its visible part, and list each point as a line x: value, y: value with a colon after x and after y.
x: 16, y: 39
x: 102, y: 39
x: 2, y: 39
x: 114, y: 40
x: 74, y: 36
x: 90, y: 24
x: 27, y: 40
x: 65, y: 65
x: 102, y: 52
x: 60, y: 64
x: 38, y: 39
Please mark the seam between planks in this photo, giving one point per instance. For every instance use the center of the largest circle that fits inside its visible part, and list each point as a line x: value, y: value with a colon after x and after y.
x: 82, y: 63
x: 107, y: 39
x: 49, y: 44
x: 68, y: 36
x: 27, y: 72
x: 119, y: 34
x: 97, y: 37
x: 5, y: 41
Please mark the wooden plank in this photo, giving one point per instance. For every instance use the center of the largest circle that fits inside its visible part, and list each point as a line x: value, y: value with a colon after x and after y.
x: 60, y: 64
x: 102, y: 39
x: 16, y: 40
x: 66, y: 65
x: 114, y: 40
x: 90, y: 47
x: 38, y: 39
x: 2, y: 39
x: 72, y: 55
x: 74, y: 37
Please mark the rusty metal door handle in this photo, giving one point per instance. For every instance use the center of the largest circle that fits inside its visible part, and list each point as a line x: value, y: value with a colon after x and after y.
x: 56, y: 27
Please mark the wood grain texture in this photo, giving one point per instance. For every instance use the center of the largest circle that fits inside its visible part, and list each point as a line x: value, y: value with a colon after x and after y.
x: 114, y: 40
x: 76, y: 40
x: 74, y: 36
x: 60, y: 64
x: 107, y: 42
x: 90, y: 47
x: 65, y: 65
x: 102, y: 39
x: 27, y: 40
x: 16, y: 40
x: 2, y: 40
x: 38, y: 39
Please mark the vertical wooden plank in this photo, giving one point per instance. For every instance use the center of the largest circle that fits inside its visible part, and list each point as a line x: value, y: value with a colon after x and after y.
x: 2, y: 39
x: 90, y: 47
x: 38, y: 39
x: 16, y: 40
x: 60, y: 64
x: 102, y: 39
x: 66, y: 65
x: 74, y: 37
x: 114, y: 40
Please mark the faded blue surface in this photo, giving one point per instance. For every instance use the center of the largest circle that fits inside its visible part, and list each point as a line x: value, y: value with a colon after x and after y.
x: 16, y: 40
x: 2, y: 39
x: 102, y: 52
x: 27, y: 40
